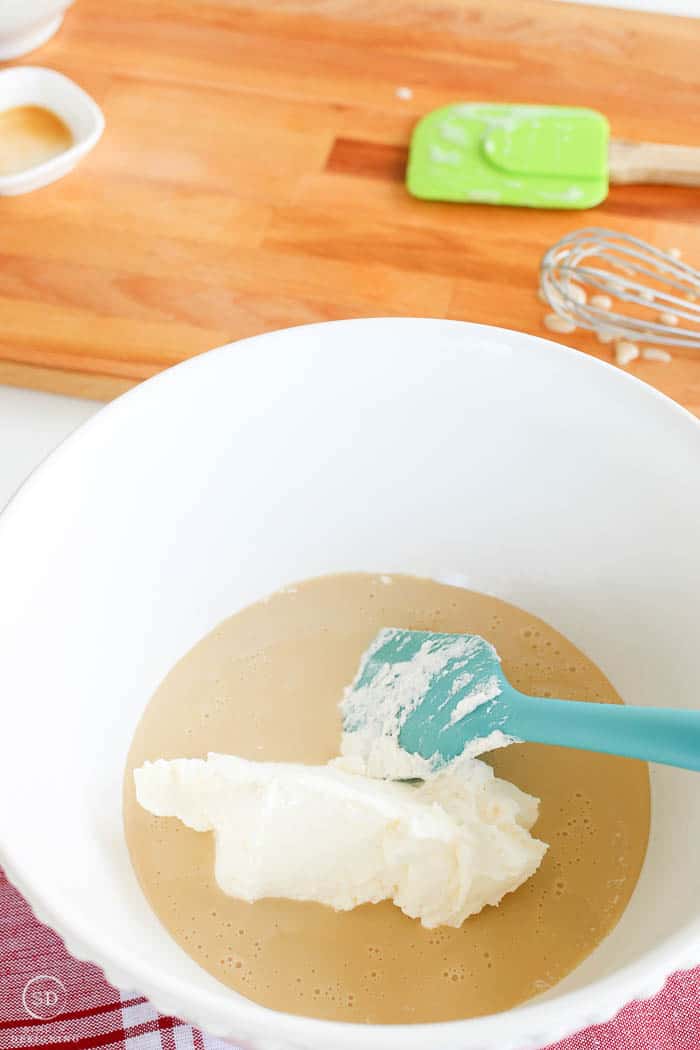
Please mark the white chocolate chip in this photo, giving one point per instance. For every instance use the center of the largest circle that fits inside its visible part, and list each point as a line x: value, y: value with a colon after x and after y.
x: 404, y: 93
x: 606, y: 335
x: 668, y: 318
x: 653, y: 353
x: 577, y: 293
x: 646, y: 293
x: 556, y: 323
x: 625, y: 352
x: 675, y: 253
x: 603, y: 302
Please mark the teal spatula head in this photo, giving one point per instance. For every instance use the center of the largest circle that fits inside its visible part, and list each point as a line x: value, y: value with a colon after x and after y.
x: 528, y: 156
x: 421, y: 701
x: 403, y: 713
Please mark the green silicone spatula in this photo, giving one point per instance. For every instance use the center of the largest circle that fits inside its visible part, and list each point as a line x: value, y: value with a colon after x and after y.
x: 439, y: 696
x: 533, y: 156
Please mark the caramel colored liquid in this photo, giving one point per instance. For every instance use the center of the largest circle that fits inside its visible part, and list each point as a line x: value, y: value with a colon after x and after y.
x: 30, y: 135
x: 265, y: 685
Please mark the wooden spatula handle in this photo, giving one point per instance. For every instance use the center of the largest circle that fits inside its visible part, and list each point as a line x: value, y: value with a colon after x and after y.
x: 651, y: 162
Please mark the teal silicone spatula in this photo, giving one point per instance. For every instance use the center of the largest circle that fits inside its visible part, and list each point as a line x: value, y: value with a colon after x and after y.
x: 439, y: 696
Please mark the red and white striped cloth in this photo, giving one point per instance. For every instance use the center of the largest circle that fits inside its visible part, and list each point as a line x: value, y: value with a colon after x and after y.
x: 77, y: 1008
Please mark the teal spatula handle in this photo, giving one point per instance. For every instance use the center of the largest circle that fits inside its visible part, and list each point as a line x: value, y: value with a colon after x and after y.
x: 654, y: 734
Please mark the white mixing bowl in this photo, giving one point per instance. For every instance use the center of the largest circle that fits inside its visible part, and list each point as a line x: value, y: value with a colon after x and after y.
x: 27, y: 24
x: 430, y: 447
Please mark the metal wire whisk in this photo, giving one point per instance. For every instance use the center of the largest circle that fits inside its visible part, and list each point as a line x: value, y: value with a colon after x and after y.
x: 622, y: 288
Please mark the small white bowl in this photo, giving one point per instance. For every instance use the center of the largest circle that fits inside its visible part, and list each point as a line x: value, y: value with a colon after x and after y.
x: 27, y: 24
x: 441, y: 448
x: 34, y: 86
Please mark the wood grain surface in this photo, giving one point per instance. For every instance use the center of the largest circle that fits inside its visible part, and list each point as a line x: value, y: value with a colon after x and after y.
x: 251, y: 175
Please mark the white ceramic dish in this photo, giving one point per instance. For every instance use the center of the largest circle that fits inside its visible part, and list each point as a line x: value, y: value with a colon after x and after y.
x: 434, y: 447
x: 34, y: 86
x: 27, y: 24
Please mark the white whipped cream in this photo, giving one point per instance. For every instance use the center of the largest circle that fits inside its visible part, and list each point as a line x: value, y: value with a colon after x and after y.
x: 440, y: 851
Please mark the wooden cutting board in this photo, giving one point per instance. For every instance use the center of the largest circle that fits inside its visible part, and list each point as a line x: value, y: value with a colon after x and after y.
x: 250, y: 176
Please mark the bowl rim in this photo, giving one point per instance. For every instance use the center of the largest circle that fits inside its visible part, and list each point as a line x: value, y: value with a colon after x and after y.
x: 531, y: 1024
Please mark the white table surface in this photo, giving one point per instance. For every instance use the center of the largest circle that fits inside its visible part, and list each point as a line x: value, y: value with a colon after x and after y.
x: 32, y: 423
x: 667, y: 7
